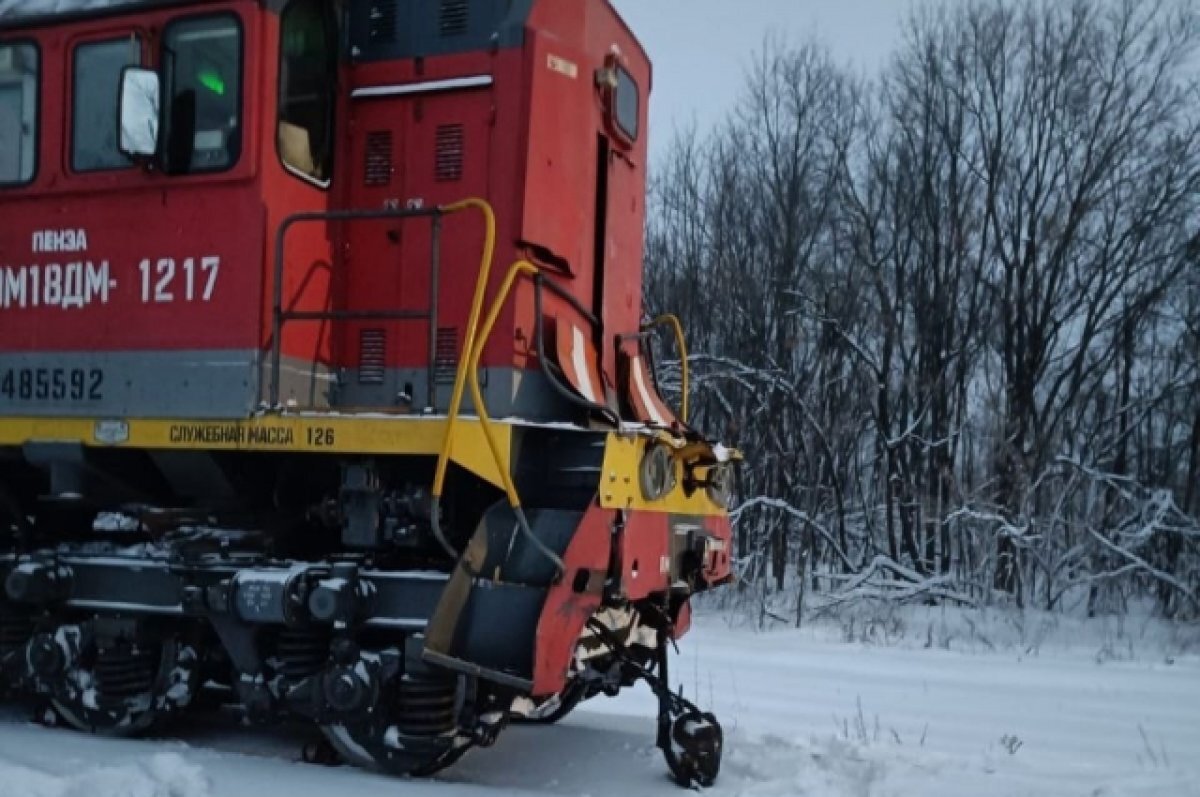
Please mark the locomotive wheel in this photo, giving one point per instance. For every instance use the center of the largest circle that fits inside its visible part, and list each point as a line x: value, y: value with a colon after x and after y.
x: 122, y: 689
x: 412, y: 729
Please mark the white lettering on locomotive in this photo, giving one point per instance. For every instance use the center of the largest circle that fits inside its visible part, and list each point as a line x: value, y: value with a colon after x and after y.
x: 60, y: 241
x: 69, y: 286
x: 78, y: 284
x: 166, y: 280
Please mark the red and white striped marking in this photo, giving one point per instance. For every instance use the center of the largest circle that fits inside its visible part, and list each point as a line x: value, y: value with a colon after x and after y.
x: 577, y: 358
x: 646, y: 402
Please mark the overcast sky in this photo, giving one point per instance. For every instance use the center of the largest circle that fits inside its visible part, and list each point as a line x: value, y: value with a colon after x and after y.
x: 702, y: 48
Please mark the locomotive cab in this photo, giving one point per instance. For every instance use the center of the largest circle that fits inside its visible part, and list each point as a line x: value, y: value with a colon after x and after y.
x: 323, y: 318
x: 174, y: 144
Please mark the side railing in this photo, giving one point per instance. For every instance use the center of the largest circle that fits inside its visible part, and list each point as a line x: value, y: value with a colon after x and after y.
x: 282, y: 316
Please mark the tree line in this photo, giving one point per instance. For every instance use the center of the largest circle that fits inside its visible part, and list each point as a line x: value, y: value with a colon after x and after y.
x: 951, y: 312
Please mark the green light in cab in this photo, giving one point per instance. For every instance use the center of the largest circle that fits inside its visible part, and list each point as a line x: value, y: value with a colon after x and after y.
x: 211, y: 80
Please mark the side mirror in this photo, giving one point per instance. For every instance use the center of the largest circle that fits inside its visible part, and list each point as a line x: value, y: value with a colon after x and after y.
x: 139, y: 105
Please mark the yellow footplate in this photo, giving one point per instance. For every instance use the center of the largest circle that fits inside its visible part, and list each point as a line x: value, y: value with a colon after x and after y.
x: 323, y: 433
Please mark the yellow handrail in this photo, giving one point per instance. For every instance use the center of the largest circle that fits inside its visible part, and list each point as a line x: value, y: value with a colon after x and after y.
x: 471, y: 365
x: 673, y: 322
x: 515, y: 271
x: 460, y: 378
x: 468, y: 373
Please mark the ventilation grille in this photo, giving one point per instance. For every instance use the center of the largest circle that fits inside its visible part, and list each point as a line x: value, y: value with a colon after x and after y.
x: 383, y: 18
x: 453, y: 19
x: 449, y: 156
x: 446, y: 363
x: 377, y: 168
x: 372, y: 356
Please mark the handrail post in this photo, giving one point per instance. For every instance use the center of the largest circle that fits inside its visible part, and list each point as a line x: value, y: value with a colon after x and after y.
x: 435, y: 268
x: 684, y: 369
x: 277, y: 314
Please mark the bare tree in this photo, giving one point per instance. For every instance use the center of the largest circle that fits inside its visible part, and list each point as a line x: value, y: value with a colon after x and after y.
x: 952, y: 314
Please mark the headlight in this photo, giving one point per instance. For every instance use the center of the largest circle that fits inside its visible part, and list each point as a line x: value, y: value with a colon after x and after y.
x: 657, y: 474
x: 720, y: 485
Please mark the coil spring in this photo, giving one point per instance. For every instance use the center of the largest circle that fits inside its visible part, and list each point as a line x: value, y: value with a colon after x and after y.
x: 301, y: 653
x: 125, y: 671
x: 427, y: 707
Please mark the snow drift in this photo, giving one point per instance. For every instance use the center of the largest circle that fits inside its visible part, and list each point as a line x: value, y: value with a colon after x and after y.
x: 161, y: 775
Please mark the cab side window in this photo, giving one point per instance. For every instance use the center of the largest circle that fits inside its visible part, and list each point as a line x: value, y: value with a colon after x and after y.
x: 307, y: 89
x: 19, y: 72
x: 202, y: 93
x: 97, y: 78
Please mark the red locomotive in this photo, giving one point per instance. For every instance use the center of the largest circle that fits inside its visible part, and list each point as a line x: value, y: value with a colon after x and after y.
x: 324, y: 378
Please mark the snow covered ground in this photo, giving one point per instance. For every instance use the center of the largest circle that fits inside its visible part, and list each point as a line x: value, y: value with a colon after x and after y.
x: 806, y: 713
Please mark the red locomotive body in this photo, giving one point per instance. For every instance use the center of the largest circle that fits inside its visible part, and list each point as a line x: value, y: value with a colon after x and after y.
x: 161, y: 274
x: 249, y: 318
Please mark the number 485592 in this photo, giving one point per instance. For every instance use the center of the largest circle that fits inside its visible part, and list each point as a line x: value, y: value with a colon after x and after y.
x: 52, y: 384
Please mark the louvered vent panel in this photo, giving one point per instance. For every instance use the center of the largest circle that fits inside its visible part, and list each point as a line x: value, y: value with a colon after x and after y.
x: 446, y: 363
x: 377, y: 169
x: 372, y: 356
x: 448, y: 159
x: 453, y: 19
x: 383, y: 21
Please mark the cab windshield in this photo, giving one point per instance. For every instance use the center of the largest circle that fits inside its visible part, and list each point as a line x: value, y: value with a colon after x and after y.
x: 202, y: 71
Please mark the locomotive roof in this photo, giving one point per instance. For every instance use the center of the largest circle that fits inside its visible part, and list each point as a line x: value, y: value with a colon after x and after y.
x: 46, y: 19
x: 22, y: 21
